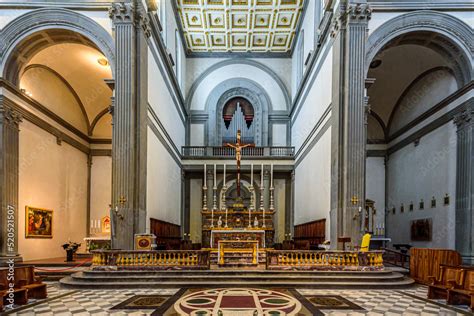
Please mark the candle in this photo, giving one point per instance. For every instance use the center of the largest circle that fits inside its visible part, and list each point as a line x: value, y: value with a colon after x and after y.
x: 261, y: 177
x: 224, y: 175
x: 251, y: 175
x: 215, y: 176
x: 271, y: 175
x: 205, y: 174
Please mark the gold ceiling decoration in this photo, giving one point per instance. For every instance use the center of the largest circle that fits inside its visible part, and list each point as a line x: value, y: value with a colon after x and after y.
x: 239, y: 25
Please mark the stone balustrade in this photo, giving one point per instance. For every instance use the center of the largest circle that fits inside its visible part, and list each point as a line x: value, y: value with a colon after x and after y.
x: 150, y: 260
x: 324, y: 260
x: 223, y: 152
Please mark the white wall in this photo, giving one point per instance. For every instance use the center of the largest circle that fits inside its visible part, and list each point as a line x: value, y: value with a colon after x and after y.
x: 101, y: 186
x: 421, y: 172
x: 318, y: 99
x: 163, y: 183
x: 54, y: 177
x: 161, y: 100
x: 313, y: 183
x: 375, y: 186
x: 246, y: 71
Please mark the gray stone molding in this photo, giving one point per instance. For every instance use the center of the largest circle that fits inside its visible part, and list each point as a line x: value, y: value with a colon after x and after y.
x: 455, y: 30
x: 237, y: 61
x: 237, y: 87
x: 464, y: 182
x: 54, y: 18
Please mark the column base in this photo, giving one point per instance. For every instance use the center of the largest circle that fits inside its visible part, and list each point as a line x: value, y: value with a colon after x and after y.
x: 6, y: 259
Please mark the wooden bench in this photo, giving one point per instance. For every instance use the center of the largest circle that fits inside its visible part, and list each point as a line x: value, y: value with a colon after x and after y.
x: 462, y: 292
x: 446, y: 278
x: 20, y: 294
x: 25, y: 278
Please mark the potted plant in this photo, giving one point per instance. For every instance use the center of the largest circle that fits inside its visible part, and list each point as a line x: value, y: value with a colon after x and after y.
x: 71, y: 248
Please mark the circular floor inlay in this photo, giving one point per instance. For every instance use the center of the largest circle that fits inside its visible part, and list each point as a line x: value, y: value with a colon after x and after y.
x: 237, y: 301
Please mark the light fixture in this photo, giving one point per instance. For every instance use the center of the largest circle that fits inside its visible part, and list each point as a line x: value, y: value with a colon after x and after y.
x: 103, y: 61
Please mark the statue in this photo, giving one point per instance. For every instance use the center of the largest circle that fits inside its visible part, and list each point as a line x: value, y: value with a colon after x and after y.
x: 219, y: 222
x: 238, y: 146
x: 255, y: 222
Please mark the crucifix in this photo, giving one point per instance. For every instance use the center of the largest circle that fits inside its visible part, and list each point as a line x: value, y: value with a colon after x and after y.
x: 238, y: 146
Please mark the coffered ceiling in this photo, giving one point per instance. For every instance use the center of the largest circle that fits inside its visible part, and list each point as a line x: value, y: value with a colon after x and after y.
x: 239, y: 25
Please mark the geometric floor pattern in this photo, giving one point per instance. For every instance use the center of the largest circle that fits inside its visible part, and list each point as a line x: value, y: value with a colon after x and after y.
x: 375, y: 302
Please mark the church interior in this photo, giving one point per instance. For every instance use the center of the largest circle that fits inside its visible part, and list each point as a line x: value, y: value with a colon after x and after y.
x: 215, y: 157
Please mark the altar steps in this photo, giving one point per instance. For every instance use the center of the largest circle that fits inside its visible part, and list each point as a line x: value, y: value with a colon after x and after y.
x: 241, y: 278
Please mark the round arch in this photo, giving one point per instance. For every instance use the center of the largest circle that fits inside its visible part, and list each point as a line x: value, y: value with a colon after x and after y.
x: 229, y: 89
x: 236, y: 61
x: 49, y: 19
x: 455, y: 37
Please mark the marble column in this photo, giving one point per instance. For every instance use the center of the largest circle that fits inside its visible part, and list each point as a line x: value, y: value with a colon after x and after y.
x: 9, y: 152
x: 464, y: 183
x: 350, y: 29
x: 129, y: 124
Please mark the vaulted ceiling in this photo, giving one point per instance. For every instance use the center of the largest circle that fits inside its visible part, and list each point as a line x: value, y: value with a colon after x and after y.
x: 239, y: 25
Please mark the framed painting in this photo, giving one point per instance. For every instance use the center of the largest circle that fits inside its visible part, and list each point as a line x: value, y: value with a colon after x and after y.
x: 421, y: 229
x: 39, y: 222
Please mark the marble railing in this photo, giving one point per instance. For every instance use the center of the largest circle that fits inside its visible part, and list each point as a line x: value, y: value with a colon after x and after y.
x: 324, y: 260
x: 222, y: 152
x: 142, y: 260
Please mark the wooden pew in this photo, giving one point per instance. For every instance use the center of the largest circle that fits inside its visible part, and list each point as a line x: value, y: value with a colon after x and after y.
x: 462, y: 292
x: 446, y: 278
x: 20, y: 294
x: 25, y: 278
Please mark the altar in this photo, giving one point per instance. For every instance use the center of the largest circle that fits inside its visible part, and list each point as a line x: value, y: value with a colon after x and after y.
x: 218, y: 235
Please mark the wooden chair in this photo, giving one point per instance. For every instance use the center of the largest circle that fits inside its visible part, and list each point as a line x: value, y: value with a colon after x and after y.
x: 25, y: 278
x: 462, y: 292
x: 446, y: 279
x: 20, y: 294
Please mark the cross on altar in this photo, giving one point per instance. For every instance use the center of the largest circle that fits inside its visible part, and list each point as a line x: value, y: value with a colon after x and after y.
x: 354, y: 200
x: 238, y: 146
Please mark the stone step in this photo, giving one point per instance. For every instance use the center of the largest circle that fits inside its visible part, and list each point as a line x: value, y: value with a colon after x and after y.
x: 240, y: 272
x: 70, y: 282
x: 158, y: 277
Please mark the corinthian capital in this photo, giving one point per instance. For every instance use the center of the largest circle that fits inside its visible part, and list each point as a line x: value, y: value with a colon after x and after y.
x: 465, y: 117
x: 358, y: 11
x: 122, y: 12
x: 10, y: 116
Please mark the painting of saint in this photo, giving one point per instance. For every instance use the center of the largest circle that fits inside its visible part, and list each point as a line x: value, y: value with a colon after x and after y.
x: 39, y: 223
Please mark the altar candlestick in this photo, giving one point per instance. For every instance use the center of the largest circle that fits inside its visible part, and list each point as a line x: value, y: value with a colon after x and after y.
x: 271, y: 175
x: 205, y: 176
x: 251, y: 174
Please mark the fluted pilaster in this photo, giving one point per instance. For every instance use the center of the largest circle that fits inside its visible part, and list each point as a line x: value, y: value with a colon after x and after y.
x: 464, y: 183
x: 9, y: 152
x: 349, y: 117
x: 128, y: 141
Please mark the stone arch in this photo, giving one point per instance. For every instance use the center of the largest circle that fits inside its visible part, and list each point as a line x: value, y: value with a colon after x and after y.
x: 61, y: 23
x: 238, y: 87
x: 454, y: 38
x: 236, y: 61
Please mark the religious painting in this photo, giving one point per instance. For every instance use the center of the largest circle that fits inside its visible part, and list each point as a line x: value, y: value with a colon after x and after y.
x: 433, y: 202
x: 422, y: 205
x: 105, y: 223
x: 411, y: 207
x: 39, y: 222
x: 421, y: 229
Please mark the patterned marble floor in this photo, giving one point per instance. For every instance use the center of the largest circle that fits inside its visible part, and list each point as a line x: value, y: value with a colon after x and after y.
x: 375, y: 302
